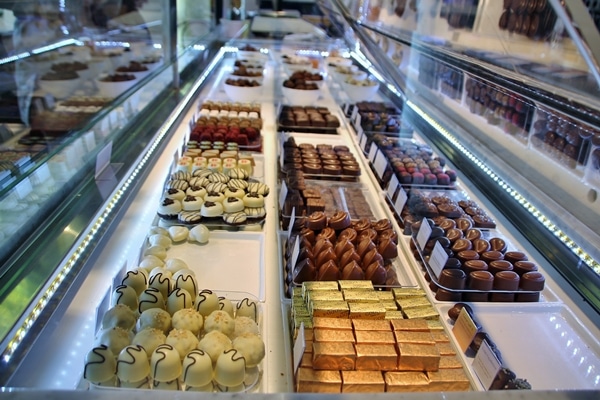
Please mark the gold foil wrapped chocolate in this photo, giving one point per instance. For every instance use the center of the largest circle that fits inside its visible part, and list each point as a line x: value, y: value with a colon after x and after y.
x: 318, y: 285
x: 360, y: 296
x: 395, y: 314
x: 371, y: 325
x: 376, y: 357
x: 366, y: 310
x: 309, y: 380
x: 447, y: 380
x: 375, y: 337
x: 331, y: 309
x: 334, y: 356
x: 331, y: 335
x: 450, y: 362
x: 406, y: 382
x: 362, y: 382
x: 414, y: 337
x: 418, y: 357
x: 332, y: 323
x: 415, y: 325
x: 425, y: 312
x: 355, y: 284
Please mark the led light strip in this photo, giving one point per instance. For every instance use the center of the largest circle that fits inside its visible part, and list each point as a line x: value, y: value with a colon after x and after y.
x: 545, y: 221
x: 88, y: 240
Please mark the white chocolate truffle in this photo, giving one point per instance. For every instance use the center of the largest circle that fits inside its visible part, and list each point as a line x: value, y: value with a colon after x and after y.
x: 165, y: 363
x: 251, y: 346
x: 136, y: 279
x: 125, y: 295
x: 197, y: 369
x: 156, y: 318
x: 230, y: 369
x: 120, y: 315
x: 189, y: 319
x: 219, y: 321
x: 178, y: 300
x: 200, y: 233
x: 245, y: 325
x: 114, y: 338
x: 151, y: 262
x: 226, y: 305
x: 178, y: 233
x: 133, y: 364
x: 214, y: 343
x: 175, y: 264
x: 186, y: 279
x: 157, y: 251
x: 182, y: 340
x: 160, y: 241
x: 151, y: 298
x: 206, y: 302
x: 149, y: 339
x: 247, y: 308
x: 158, y: 230
x: 160, y: 270
x: 101, y: 365
x: 161, y: 281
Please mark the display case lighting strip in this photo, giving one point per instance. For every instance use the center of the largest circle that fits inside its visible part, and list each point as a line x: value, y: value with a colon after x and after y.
x: 545, y: 221
x: 88, y: 240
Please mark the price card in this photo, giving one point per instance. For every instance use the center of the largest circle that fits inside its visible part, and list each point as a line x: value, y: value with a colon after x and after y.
x: 424, y: 233
x: 486, y: 365
x: 362, y: 141
x: 354, y: 113
x: 295, y: 251
x: 103, y: 159
x: 372, y: 153
x: 299, y: 347
x: 392, y: 186
x: 464, y: 330
x: 358, y: 122
x: 400, y: 200
x: 42, y: 174
x: 291, y: 224
x: 23, y: 188
x: 89, y: 140
x: 380, y: 164
x: 346, y: 109
x: 282, y: 194
x: 437, y: 259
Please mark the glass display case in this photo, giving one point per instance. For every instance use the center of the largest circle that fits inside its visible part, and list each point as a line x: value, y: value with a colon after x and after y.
x: 508, y: 113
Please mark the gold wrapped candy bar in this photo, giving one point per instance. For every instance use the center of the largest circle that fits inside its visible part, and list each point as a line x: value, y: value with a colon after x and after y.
x: 366, y: 310
x: 355, y: 284
x: 376, y: 357
x: 446, y: 349
x: 414, y: 337
x: 435, y: 325
x: 385, y: 295
x: 406, y: 382
x: 323, y: 295
x: 360, y: 296
x: 331, y: 309
x: 334, y: 356
x: 389, y: 305
x: 405, y: 304
x: 418, y: 357
x: 312, y: 381
x: 332, y: 323
x: 375, y: 337
x: 404, y: 293
x: 395, y: 314
x: 440, y: 337
x: 450, y: 362
x: 362, y: 382
x: 446, y: 380
x: 425, y: 312
x: 414, y: 325
x: 371, y: 325
x: 330, y: 335
x: 318, y: 285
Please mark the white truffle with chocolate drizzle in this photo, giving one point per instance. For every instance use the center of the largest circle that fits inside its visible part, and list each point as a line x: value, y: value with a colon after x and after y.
x: 100, y: 365
x: 197, y: 369
x: 178, y: 300
x: 165, y: 363
x: 133, y: 364
x: 230, y: 369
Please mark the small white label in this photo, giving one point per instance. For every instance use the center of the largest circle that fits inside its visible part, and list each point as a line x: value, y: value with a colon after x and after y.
x: 23, y: 188
x: 486, y: 365
x: 400, y: 200
x: 89, y: 139
x: 358, y: 122
x: 103, y: 159
x: 373, y: 152
x: 299, y: 347
x: 380, y: 164
x: 362, y: 142
x: 464, y: 330
x: 42, y: 174
x: 354, y: 113
x: 346, y: 108
x: 437, y: 259
x: 291, y: 223
x: 282, y: 194
x: 423, y: 234
x: 392, y: 186
x: 295, y: 252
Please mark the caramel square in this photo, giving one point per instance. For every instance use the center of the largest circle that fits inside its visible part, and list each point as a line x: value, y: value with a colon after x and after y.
x: 449, y: 380
x: 414, y: 325
x: 332, y: 323
x: 333, y: 355
x: 331, y: 335
x: 375, y: 337
x: 376, y: 357
x: 309, y: 380
x: 371, y: 325
x: 362, y: 382
x: 418, y: 357
x: 366, y: 310
x: 406, y: 382
x: 414, y: 337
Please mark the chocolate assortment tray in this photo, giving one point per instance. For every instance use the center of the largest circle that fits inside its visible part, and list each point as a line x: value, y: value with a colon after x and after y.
x: 308, y: 119
x: 377, y: 118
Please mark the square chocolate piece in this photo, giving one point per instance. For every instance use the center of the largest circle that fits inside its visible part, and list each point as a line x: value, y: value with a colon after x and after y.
x: 362, y: 382
x: 309, y: 380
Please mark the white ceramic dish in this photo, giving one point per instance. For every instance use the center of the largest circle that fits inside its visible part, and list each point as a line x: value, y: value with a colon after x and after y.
x: 360, y: 92
x: 60, y: 89
x: 242, y: 93
x: 301, y: 97
x: 113, y: 89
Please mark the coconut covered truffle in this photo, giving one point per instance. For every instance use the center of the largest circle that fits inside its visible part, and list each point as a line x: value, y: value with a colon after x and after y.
x: 189, y: 319
x: 214, y: 343
x: 220, y: 321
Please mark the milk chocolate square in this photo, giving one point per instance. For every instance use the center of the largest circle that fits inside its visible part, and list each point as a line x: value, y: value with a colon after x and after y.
x: 332, y: 323
x: 414, y: 337
x: 371, y: 325
x: 334, y: 356
x: 414, y: 325
x: 448, y: 380
x: 376, y: 357
x: 330, y: 335
x: 366, y: 310
x: 312, y: 381
x: 375, y: 337
x: 362, y: 382
x: 406, y: 382
x: 418, y: 357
